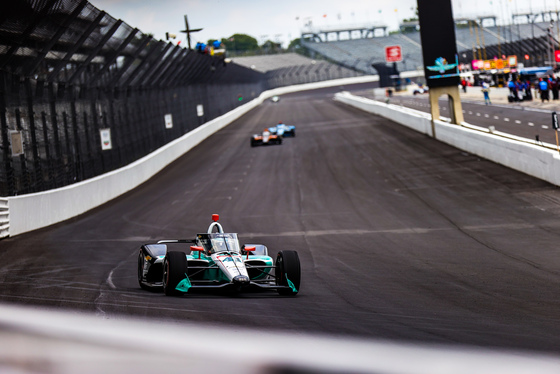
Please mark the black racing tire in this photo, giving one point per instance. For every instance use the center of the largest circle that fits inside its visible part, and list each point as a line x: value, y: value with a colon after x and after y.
x: 140, y: 271
x: 174, y: 270
x: 294, y: 134
x: 288, y: 267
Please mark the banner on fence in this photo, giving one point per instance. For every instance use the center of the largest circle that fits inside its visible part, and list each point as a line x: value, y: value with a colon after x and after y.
x: 106, y: 139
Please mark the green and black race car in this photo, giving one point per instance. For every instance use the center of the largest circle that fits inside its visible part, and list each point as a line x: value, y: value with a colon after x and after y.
x: 215, y: 260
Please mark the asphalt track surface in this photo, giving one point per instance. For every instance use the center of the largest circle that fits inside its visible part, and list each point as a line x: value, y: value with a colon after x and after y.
x: 400, y: 237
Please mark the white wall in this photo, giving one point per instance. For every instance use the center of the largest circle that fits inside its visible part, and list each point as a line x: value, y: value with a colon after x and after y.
x: 34, y: 211
x: 513, y: 152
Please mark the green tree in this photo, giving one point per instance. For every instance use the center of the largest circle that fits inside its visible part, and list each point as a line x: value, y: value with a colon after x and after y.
x: 241, y: 42
x: 294, y: 44
x: 270, y: 47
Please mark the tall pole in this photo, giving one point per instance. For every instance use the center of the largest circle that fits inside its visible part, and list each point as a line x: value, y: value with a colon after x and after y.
x: 188, y: 31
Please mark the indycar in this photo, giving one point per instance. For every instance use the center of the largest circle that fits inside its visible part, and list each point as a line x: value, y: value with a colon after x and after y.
x: 266, y: 138
x: 216, y: 261
x: 283, y: 130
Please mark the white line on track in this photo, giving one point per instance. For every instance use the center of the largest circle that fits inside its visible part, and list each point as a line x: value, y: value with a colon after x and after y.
x: 110, y: 280
x: 506, y: 119
x: 517, y: 121
x: 531, y: 124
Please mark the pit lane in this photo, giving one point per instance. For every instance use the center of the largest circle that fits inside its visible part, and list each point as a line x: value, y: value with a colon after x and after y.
x: 400, y: 236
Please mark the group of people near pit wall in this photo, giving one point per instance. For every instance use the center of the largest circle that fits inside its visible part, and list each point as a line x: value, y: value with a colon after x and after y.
x: 548, y: 85
x: 519, y: 90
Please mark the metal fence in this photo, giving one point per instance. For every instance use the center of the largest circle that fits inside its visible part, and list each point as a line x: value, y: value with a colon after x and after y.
x: 82, y: 93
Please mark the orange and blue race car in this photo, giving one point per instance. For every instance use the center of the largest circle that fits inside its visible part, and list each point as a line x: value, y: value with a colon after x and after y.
x: 266, y: 138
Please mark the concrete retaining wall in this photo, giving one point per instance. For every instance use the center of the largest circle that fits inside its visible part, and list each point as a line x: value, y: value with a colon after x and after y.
x: 513, y: 152
x: 34, y: 211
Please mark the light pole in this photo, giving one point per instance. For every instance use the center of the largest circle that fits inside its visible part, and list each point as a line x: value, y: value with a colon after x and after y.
x: 188, y: 31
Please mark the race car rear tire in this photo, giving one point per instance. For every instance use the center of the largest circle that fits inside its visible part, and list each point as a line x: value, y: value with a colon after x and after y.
x: 288, y: 271
x: 174, y: 270
x: 141, y: 271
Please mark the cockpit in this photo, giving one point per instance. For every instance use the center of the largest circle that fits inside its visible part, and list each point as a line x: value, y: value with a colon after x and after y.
x: 219, y: 242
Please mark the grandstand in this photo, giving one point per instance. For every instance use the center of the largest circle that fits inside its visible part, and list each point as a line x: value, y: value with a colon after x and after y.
x: 361, y: 53
x: 291, y: 68
x: 266, y: 63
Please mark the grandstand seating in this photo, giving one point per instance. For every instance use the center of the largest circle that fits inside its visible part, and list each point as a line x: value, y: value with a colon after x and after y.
x: 359, y: 54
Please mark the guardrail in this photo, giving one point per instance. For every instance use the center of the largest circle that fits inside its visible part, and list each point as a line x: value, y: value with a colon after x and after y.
x: 66, y: 202
x: 4, y: 217
x: 63, y: 342
x: 511, y: 151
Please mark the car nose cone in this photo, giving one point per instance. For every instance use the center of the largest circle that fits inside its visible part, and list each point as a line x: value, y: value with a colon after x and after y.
x: 241, y: 279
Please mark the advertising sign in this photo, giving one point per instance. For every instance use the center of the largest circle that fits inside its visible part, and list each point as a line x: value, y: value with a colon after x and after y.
x: 168, y: 121
x: 105, y: 139
x: 16, y: 141
x: 439, y: 49
x: 393, y: 53
x: 498, y: 63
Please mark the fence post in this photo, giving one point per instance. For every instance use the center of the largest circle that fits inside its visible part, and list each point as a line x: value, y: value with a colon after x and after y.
x: 37, y: 167
x: 57, y: 148
x: 6, y: 188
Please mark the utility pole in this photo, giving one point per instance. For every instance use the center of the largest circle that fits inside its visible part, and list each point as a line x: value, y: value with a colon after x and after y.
x: 188, y: 31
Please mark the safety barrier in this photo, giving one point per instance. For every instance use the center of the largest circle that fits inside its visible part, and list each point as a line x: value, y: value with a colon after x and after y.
x: 129, y: 345
x: 516, y: 153
x: 4, y: 218
x: 59, y: 204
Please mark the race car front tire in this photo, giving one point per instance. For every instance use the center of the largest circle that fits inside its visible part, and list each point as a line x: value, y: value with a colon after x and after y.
x: 174, y: 270
x: 288, y: 272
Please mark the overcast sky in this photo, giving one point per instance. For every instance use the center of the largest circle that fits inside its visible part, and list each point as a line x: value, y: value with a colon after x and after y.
x: 283, y: 20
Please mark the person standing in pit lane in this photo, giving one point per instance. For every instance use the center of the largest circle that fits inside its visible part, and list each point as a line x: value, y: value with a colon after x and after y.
x: 486, y: 92
x: 543, y: 88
